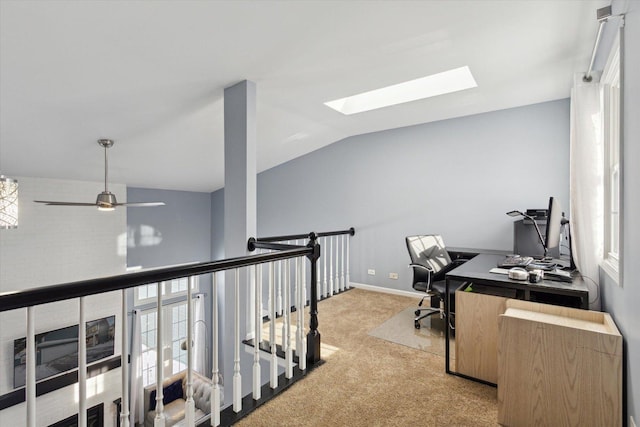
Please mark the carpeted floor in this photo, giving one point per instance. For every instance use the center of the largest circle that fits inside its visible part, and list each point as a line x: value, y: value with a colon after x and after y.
x: 368, y: 381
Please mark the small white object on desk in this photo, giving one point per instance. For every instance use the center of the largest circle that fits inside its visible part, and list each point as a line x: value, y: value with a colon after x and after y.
x: 518, y: 273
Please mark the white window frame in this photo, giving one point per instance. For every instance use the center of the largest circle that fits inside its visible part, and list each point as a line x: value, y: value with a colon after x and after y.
x: 174, y: 333
x: 611, y: 83
x: 146, y: 294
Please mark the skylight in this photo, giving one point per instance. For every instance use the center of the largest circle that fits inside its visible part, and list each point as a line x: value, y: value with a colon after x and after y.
x: 436, y: 84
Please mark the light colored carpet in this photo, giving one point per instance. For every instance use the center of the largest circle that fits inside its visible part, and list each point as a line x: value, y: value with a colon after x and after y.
x: 367, y: 381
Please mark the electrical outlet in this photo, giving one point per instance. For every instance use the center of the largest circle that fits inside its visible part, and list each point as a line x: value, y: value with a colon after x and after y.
x: 371, y: 272
x: 632, y: 423
x: 393, y: 276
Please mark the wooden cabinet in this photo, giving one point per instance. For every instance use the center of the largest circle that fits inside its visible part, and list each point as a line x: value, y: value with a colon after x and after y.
x: 476, y: 338
x: 558, y: 366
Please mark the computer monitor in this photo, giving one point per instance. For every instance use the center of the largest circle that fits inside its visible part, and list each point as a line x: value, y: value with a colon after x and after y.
x: 554, y: 223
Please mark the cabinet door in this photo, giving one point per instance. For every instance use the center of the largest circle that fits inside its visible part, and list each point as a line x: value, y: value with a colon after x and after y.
x: 477, y: 334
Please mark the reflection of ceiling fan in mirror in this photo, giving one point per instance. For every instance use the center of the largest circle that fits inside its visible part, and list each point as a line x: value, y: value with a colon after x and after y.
x: 106, y: 200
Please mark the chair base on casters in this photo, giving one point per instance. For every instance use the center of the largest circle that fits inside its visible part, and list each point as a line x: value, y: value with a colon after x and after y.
x: 421, y: 315
x: 424, y: 312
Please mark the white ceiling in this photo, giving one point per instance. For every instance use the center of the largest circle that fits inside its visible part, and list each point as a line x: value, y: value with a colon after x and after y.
x: 151, y: 74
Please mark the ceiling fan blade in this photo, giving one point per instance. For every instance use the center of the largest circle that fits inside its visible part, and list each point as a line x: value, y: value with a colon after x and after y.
x: 106, y: 200
x: 64, y: 203
x: 140, y: 204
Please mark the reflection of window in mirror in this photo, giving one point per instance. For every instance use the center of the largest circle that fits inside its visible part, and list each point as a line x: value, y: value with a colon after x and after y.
x: 612, y: 112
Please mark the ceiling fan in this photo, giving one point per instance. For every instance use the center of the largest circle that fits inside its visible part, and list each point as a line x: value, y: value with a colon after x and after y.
x: 106, y: 200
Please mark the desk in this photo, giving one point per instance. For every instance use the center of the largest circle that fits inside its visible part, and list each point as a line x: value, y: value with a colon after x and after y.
x: 476, y: 271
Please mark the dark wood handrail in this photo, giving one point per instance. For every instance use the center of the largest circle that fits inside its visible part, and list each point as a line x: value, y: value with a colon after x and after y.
x: 351, y: 231
x: 12, y: 300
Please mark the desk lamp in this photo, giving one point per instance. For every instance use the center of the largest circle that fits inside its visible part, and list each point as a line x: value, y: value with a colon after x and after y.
x: 518, y: 213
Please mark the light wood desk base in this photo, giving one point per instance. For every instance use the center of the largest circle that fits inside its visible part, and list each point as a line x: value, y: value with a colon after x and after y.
x: 477, y: 335
x: 558, y: 366
x: 477, y: 272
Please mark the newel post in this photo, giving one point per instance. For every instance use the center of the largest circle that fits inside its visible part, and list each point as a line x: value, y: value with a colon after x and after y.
x: 313, y: 337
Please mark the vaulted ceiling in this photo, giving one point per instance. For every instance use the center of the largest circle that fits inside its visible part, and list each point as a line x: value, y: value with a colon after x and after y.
x: 151, y: 75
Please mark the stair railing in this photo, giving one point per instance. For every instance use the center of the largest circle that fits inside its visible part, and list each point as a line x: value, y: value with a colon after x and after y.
x: 31, y: 298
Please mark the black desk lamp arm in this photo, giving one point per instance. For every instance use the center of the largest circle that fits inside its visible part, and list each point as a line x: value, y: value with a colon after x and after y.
x: 535, y: 224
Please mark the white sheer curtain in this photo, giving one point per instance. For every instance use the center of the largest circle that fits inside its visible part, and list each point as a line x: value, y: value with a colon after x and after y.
x: 199, y: 336
x: 586, y: 181
x: 135, y: 377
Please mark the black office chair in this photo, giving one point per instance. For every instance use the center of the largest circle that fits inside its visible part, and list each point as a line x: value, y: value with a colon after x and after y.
x: 430, y: 262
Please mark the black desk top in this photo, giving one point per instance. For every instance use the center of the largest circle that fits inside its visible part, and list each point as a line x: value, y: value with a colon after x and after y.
x: 477, y: 269
x: 477, y: 251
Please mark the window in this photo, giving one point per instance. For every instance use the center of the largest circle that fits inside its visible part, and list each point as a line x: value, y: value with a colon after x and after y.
x: 174, y: 326
x: 148, y: 341
x: 174, y: 333
x: 147, y: 294
x: 612, y: 110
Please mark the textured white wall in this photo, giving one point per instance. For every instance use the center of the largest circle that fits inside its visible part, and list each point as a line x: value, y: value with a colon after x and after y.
x: 55, y: 245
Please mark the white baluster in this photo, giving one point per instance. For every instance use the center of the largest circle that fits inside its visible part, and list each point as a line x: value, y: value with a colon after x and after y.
x: 279, y: 288
x: 269, y: 296
x: 258, y: 333
x: 82, y: 366
x: 159, y: 419
x: 342, y: 260
x: 295, y: 299
x: 285, y: 303
x: 237, y: 378
x: 288, y: 355
x: 30, y: 392
x: 318, y: 283
x: 190, y: 406
x: 272, y: 328
x: 215, y: 401
x: 124, y: 343
x: 323, y: 253
x: 337, y: 262
x: 303, y: 273
x: 348, y: 284
x: 330, y: 256
x: 250, y: 320
x: 301, y: 338
x: 299, y: 310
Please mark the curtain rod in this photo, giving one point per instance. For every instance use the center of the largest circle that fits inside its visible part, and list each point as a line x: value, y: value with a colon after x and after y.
x: 603, y: 14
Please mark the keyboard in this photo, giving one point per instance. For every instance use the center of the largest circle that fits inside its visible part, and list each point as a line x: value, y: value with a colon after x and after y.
x: 515, y: 261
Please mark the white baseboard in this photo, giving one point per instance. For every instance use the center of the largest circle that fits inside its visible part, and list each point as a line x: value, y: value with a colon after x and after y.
x: 412, y: 294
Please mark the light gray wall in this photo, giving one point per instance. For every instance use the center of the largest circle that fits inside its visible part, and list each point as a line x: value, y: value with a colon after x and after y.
x: 455, y: 177
x: 217, y: 224
x: 622, y: 302
x: 182, y: 228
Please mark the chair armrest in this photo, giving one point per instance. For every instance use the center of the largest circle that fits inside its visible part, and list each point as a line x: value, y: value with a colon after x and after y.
x: 424, y: 267
x: 429, y: 271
